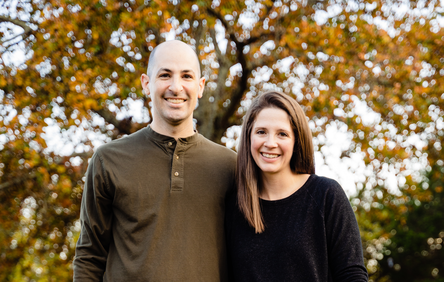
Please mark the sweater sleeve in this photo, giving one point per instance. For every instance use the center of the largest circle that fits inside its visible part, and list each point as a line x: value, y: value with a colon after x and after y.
x: 96, y: 222
x: 230, y: 207
x: 344, y: 241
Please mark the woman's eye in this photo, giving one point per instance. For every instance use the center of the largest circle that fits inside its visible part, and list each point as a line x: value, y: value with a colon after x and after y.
x: 260, y: 132
x: 283, y: 134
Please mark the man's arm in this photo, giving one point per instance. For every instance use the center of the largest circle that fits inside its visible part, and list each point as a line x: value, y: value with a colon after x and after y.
x: 96, y: 217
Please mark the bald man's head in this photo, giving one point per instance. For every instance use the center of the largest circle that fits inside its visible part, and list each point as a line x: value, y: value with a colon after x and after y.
x: 167, y: 47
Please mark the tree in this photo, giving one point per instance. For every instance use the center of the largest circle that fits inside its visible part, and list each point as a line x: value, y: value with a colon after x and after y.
x: 413, y: 251
x: 364, y: 66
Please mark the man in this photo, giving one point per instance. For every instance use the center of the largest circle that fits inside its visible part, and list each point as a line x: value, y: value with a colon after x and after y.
x: 153, y: 202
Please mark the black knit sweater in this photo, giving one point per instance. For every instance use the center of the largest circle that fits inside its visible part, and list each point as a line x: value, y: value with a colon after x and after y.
x: 311, y: 236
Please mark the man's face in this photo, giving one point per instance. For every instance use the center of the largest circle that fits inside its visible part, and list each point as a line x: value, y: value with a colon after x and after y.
x: 174, y: 84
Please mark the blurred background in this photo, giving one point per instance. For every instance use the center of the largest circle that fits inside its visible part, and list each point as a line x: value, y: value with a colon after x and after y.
x: 368, y: 74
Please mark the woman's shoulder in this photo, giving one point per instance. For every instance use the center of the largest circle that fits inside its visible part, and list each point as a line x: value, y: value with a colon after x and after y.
x: 322, y: 184
x: 323, y: 189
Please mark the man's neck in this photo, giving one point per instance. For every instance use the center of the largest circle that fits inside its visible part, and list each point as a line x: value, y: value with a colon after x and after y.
x: 182, y: 130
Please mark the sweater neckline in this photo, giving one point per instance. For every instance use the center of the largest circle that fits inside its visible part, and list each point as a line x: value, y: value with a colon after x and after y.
x: 295, y: 194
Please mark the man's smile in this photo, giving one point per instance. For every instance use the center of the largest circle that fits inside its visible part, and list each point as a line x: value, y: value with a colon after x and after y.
x: 175, y: 100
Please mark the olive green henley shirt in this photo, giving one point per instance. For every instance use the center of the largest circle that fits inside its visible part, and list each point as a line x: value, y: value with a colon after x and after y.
x: 153, y: 210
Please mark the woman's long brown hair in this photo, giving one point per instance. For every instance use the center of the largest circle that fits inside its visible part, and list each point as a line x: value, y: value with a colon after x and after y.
x: 248, y: 173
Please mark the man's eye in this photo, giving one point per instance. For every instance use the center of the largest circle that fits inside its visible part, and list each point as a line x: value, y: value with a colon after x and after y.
x: 164, y: 75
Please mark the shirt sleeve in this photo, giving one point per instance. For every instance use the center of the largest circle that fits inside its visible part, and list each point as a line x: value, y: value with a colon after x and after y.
x: 343, y: 238
x: 96, y: 218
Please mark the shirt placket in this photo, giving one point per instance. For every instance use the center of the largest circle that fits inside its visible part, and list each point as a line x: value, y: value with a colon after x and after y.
x: 177, y: 168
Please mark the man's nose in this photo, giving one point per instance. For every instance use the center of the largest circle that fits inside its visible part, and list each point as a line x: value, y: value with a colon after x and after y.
x: 176, y: 84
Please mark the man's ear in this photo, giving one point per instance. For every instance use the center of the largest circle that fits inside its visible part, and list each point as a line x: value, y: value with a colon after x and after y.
x: 145, y: 79
x: 201, y: 86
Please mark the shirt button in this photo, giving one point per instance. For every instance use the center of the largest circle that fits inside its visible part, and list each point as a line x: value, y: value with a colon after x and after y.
x: 177, y: 157
x: 170, y: 144
x: 176, y: 174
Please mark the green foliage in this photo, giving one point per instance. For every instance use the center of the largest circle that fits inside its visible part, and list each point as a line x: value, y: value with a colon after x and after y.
x: 414, y: 251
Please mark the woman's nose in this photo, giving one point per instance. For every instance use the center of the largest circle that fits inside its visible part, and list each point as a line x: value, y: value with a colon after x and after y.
x: 270, y: 141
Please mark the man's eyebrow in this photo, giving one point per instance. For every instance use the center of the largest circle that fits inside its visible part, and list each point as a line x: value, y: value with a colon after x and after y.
x: 163, y: 70
x: 188, y: 71
x: 168, y: 70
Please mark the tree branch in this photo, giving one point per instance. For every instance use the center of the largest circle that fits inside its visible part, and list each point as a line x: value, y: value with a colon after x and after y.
x: 267, y: 12
x: 254, y: 39
x: 123, y: 126
x: 227, y: 26
x: 20, y: 23
x: 231, y: 33
x: 225, y: 120
x: 198, y: 34
x: 11, y: 39
x: 220, y: 57
x: 236, y: 98
x: 27, y: 30
x: 16, y: 181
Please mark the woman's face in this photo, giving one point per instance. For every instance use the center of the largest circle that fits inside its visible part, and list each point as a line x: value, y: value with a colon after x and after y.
x: 272, y: 141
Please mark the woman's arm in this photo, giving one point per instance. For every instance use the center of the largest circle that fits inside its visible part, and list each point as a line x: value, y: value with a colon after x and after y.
x: 343, y: 238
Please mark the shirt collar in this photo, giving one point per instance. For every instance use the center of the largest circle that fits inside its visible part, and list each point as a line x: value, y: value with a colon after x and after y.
x: 164, y: 138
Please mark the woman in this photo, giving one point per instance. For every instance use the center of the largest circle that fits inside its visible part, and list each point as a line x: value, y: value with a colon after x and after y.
x: 286, y: 223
